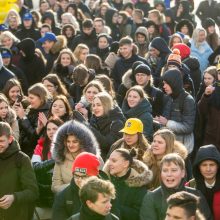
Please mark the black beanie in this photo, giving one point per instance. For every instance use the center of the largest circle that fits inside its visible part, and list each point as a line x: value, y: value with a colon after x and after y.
x: 142, y: 68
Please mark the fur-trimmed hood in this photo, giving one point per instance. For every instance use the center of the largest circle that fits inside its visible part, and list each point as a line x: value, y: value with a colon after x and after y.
x: 140, y: 174
x: 11, y: 116
x: 142, y: 30
x: 82, y: 132
x: 60, y: 44
x: 126, y: 79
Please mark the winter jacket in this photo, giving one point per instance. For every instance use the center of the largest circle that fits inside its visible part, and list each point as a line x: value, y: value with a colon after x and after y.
x: 87, y: 214
x: 202, y: 54
x: 27, y: 126
x: 180, y: 110
x: 43, y: 170
x: 31, y: 64
x: 17, y: 178
x: 121, y: 66
x: 156, y: 96
x: 130, y: 189
x: 106, y: 128
x: 62, y: 173
x: 154, y: 204
x: 211, y: 115
x: 207, y: 152
x: 142, y: 111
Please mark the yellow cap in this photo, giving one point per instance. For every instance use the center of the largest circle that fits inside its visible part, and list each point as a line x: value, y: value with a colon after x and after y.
x: 133, y: 126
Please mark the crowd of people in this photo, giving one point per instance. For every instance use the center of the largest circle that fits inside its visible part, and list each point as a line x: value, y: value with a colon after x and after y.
x: 110, y: 109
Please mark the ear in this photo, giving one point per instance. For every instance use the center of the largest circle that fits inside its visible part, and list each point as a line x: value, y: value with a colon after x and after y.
x: 11, y: 138
x: 183, y: 173
x: 89, y: 204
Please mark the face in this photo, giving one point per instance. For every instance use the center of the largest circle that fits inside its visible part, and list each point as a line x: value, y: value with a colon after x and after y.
x: 177, y: 213
x: 47, y: 45
x: 34, y: 101
x: 130, y: 139
x: 13, y: 23
x: 153, y: 17
x: 50, y: 87
x: 208, y: 169
x: 69, y: 32
x: 90, y: 93
x: 154, y: 52
x: 65, y: 20
x: 151, y: 29
x: 126, y: 51
x: 3, y: 110
x: 7, y: 42
x: 201, y: 36
x: 98, y: 25
x: 14, y: 92
x: 51, y: 130
x: 103, y: 43
x: 79, y: 178
x: 167, y: 88
x: 176, y: 40
x: 71, y: 10
x: 115, y: 18
x: 65, y: 59
x: 102, y: 205
x: 48, y: 21
x: 6, y: 61
x: 141, y: 38
x: 103, y: 10
x: 4, y: 143
x: 27, y: 23
x: 44, y: 7
x: 88, y: 31
x: 185, y: 30
x: 83, y: 54
x: 208, y: 79
x: 73, y: 144
x: 58, y: 108
x: 133, y: 99
x: 171, y: 175
x: 120, y: 19
x: 211, y: 29
x: 44, y: 30
x: 142, y: 79
x: 117, y: 164
x: 97, y: 107
x: 158, y: 146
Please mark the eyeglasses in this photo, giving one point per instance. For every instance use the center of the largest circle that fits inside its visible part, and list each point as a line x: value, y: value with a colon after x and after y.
x: 79, y: 177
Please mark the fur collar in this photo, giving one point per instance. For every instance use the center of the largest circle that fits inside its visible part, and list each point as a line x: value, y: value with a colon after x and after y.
x: 126, y: 79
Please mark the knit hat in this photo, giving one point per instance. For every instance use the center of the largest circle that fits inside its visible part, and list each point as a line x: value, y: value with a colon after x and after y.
x: 142, y: 68
x: 184, y: 50
x: 174, y: 58
x: 86, y: 163
x: 208, y: 23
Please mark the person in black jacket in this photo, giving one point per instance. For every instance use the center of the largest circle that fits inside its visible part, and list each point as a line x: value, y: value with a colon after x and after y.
x: 27, y: 29
x: 5, y: 74
x: 30, y: 63
x: 67, y: 201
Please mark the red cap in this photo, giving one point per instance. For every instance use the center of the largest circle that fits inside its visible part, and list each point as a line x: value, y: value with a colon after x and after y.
x: 87, y: 164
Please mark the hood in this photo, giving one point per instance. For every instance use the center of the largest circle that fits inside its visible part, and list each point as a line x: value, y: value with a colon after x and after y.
x: 11, y: 150
x: 186, y: 22
x: 28, y: 47
x: 140, y: 174
x: 207, y: 152
x: 184, y: 50
x: 50, y: 15
x: 108, y: 16
x: 1, y: 62
x: 81, y: 131
x: 143, y: 31
x: 126, y: 79
x: 186, y: 9
x: 60, y: 44
x: 193, y: 64
x: 174, y: 79
x: 180, y: 149
x: 11, y: 116
x: 142, y: 107
x: 161, y: 45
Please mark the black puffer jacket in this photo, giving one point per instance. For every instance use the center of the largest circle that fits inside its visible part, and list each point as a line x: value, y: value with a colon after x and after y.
x: 28, y: 135
x: 107, y: 127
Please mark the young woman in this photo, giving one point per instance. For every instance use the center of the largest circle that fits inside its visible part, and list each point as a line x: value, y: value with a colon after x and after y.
x: 175, y: 39
x: 68, y: 18
x: 30, y: 120
x: 80, y: 53
x: 106, y: 121
x: 71, y: 139
x: 125, y: 23
x: 64, y: 66
x: 136, y: 105
x: 7, y: 114
x: 133, y: 138
x: 84, y: 105
x: 55, y: 87
x: 130, y: 178
x: 164, y: 142
x: 43, y: 163
x: 69, y: 32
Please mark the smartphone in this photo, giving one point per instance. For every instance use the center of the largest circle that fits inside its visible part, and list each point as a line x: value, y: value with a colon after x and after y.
x: 19, y: 99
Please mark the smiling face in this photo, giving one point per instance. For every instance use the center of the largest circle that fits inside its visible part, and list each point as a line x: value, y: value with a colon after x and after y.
x: 97, y: 107
x: 34, y: 101
x: 65, y: 59
x: 171, y: 175
x: 133, y: 99
x: 7, y: 42
x: 4, y: 143
x: 14, y: 92
x: 72, y: 144
x: 58, y: 108
x: 158, y: 146
x: 126, y: 51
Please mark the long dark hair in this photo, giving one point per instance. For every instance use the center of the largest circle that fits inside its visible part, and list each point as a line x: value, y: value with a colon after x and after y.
x: 47, y: 142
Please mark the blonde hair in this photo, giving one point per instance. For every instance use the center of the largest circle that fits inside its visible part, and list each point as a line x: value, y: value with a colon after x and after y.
x: 78, y: 50
x: 195, y: 35
x: 72, y: 20
x: 9, y: 35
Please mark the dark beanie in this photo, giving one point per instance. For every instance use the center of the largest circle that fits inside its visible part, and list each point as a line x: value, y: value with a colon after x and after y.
x: 114, y: 47
x: 142, y: 68
x: 208, y: 23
